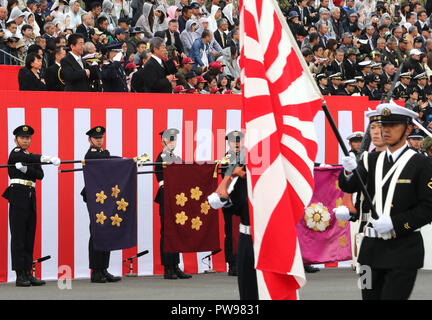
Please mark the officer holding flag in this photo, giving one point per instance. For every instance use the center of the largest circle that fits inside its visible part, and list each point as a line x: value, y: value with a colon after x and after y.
x: 400, y: 181
x: 98, y: 260
x: 21, y: 195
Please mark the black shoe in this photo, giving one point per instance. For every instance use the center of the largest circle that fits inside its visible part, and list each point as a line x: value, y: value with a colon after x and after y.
x: 98, y: 277
x: 232, y: 270
x: 22, y: 280
x: 170, y: 273
x: 34, y: 281
x: 109, y: 277
x: 310, y: 269
x: 180, y: 274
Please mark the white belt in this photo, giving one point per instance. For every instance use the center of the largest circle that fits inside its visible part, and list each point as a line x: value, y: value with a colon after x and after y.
x: 365, y: 216
x: 27, y: 183
x: 245, y: 229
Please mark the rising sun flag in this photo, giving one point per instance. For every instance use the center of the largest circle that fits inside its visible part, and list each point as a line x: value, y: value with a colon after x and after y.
x: 280, y: 101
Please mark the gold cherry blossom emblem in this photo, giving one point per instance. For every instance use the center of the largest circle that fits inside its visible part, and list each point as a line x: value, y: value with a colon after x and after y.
x: 116, y: 220
x: 196, y: 223
x: 196, y: 193
x: 122, y: 204
x: 181, y: 199
x: 100, y: 197
x: 115, y: 191
x: 100, y: 217
x: 205, y: 207
x: 181, y: 218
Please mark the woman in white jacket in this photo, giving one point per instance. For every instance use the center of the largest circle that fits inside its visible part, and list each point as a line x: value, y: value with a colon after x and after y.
x: 188, y: 35
x: 146, y: 21
x: 215, y: 15
x: 161, y: 21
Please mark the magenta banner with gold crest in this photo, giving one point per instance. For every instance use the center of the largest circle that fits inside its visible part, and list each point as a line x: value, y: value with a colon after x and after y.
x: 322, y: 237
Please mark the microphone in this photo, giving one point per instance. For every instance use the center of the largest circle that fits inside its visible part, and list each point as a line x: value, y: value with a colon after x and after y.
x: 42, y: 259
x: 212, y: 254
x: 137, y: 256
x: 131, y: 274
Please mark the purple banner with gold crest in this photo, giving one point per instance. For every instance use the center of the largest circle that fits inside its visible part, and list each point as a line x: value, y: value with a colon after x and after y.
x: 322, y: 237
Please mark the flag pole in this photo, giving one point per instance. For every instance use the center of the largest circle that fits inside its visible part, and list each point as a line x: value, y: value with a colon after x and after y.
x: 324, y: 106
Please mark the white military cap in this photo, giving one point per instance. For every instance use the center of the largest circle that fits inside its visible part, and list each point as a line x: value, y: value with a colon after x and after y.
x: 392, y: 113
x: 356, y: 135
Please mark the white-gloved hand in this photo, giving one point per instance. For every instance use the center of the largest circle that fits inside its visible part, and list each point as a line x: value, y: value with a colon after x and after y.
x: 20, y: 167
x: 342, y: 213
x: 45, y: 159
x: 50, y: 159
x: 383, y: 225
x: 118, y: 56
x: 349, y: 163
x: 215, y: 201
x: 55, y: 161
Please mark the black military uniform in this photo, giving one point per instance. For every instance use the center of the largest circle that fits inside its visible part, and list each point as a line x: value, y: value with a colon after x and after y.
x: 394, y: 262
x: 234, y: 158
x: 373, y: 94
x: 170, y: 261
x: 362, y: 207
x: 400, y: 92
x: 335, y: 90
x: 324, y: 89
x: 247, y: 280
x: 355, y: 137
x: 21, y: 195
x: 417, y: 134
x: 421, y: 90
x: 98, y: 260
x: 113, y: 74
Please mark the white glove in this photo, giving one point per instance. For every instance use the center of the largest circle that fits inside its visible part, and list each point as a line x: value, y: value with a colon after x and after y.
x: 215, y: 201
x: 55, y: 161
x: 49, y: 159
x: 118, y: 56
x: 20, y: 167
x: 349, y: 163
x: 383, y: 225
x: 342, y: 213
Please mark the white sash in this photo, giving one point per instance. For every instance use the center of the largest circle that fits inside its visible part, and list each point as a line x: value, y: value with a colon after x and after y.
x: 380, y: 182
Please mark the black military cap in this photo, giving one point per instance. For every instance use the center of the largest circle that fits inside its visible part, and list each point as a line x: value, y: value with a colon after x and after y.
x: 169, y: 134
x: 115, y: 46
x: 234, y: 136
x: 23, y: 131
x: 416, y: 134
x: 190, y: 74
x: 96, y: 132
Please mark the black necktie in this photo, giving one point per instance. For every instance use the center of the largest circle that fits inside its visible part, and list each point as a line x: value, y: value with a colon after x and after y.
x: 391, y: 160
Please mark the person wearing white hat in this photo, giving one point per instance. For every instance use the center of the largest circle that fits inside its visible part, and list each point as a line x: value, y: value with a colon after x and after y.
x: 400, y: 181
x: 354, y: 141
x: 350, y: 87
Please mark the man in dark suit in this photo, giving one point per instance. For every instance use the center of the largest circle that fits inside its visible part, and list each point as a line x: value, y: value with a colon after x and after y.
x: 392, y: 250
x: 85, y: 27
x: 337, y: 64
x: 158, y: 79
x: 220, y: 35
x: 172, y: 37
x: 52, y: 77
x: 371, y: 89
x: 75, y: 73
x: 349, y: 65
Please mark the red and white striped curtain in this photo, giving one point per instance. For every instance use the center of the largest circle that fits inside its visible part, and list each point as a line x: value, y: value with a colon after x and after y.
x: 132, y: 122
